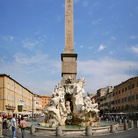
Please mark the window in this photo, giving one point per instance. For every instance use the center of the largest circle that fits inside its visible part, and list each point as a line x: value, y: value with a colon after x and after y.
x: 136, y: 96
x: 12, y: 97
x: 133, y: 86
x: 137, y: 83
x: 125, y: 89
x: 119, y: 91
x: 122, y: 90
x: 122, y: 100
x: 125, y: 99
x: 129, y: 98
x: 133, y: 97
x: 129, y: 87
x: 12, y: 87
x: 118, y: 100
x: 8, y: 96
x: 8, y: 86
x: 116, y: 93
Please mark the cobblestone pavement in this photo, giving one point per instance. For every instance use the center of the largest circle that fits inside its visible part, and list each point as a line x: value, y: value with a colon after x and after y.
x: 133, y: 133
x: 120, y: 133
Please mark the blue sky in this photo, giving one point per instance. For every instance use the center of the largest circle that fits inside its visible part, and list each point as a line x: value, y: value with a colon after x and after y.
x: 32, y: 37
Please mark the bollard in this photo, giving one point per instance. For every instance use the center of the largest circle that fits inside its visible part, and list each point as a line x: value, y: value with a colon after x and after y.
x: 120, y: 121
x: 112, y: 129
x: 125, y: 126
x: 32, y: 129
x: 125, y: 120
x: 137, y: 124
x: 58, y: 131
x: 1, y: 130
x: 131, y: 124
x: 88, y: 131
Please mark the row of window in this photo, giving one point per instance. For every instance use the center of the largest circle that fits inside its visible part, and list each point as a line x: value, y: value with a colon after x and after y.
x: 107, y: 104
x: 126, y: 89
x: 127, y: 107
x: 17, y: 100
x: 19, y: 91
x: 127, y: 99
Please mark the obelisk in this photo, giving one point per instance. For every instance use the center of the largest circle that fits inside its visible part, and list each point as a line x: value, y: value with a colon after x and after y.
x: 69, y: 65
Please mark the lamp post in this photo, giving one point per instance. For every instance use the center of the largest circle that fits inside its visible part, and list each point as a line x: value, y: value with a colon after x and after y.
x: 32, y: 108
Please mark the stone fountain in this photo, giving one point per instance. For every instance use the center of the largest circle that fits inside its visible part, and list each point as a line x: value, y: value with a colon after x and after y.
x: 67, y: 105
x: 79, y: 111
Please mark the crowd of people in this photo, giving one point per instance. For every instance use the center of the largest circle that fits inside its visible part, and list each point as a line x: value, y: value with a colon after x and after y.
x: 16, y: 122
x: 112, y: 117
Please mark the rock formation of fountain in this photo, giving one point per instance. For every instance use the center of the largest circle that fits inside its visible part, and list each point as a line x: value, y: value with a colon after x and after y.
x: 82, y: 112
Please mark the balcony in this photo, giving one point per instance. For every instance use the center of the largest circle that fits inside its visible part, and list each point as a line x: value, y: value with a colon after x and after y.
x: 10, y: 107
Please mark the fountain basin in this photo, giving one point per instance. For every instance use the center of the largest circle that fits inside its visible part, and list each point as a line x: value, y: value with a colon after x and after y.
x: 105, y: 126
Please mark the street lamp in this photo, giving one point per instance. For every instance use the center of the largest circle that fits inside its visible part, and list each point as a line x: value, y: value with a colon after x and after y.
x: 32, y: 108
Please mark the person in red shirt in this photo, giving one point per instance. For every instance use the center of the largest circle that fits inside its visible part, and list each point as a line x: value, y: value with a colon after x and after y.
x: 23, y: 125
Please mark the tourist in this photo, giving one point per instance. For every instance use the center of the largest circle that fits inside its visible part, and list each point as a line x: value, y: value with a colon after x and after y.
x: 23, y: 125
x: 5, y: 121
x: 101, y: 117
x: 1, y: 119
x: 13, y: 121
x: 19, y: 119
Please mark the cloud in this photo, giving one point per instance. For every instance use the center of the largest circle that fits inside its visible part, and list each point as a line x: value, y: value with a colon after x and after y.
x: 30, y: 44
x: 113, y: 38
x: 101, y: 47
x: 102, y: 72
x: 133, y: 37
x: 90, y: 47
x: 8, y: 38
x: 85, y: 3
x: 135, y: 49
x: 106, y: 33
x: 81, y: 46
x: 22, y: 58
x: 96, y: 21
x: 76, y: 1
x: 111, y: 52
x: 60, y: 17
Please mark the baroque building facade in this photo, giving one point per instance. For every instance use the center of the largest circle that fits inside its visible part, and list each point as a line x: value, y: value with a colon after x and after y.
x: 123, y: 98
x: 126, y: 96
x: 15, y: 98
x: 45, y: 100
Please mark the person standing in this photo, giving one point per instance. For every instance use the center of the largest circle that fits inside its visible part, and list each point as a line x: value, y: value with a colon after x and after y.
x: 23, y: 125
x: 19, y: 119
x: 1, y: 119
x: 5, y: 121
x: 13, y: 121
x: 1, y: 125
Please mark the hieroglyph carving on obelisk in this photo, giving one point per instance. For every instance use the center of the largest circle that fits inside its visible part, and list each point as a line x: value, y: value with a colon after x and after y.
x: 68, y: 58
x: 69, y: 42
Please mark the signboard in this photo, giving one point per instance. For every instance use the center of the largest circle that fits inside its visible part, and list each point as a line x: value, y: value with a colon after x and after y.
x: 20, y: 108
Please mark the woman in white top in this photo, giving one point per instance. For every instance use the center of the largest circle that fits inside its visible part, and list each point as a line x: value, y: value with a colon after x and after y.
x: 13, y: 121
